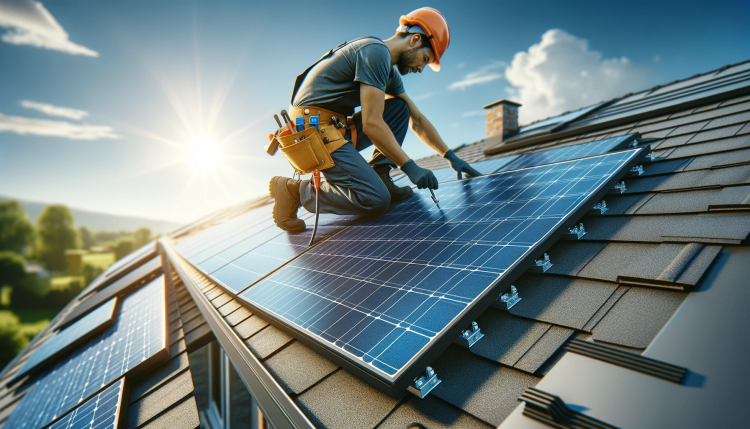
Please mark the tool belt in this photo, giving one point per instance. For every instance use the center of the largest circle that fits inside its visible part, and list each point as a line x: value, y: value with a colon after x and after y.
x: 311, y: 148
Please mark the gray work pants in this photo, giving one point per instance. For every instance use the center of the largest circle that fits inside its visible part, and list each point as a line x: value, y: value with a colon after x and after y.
x: 352, y: 187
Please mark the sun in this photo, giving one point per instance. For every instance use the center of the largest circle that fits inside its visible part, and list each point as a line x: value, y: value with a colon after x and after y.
x: 203, y: 153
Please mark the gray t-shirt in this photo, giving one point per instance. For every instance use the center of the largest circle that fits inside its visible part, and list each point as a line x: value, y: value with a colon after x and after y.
x: 333, y: 83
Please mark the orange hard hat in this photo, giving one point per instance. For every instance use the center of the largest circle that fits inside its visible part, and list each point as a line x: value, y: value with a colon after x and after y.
x: 435, y: 27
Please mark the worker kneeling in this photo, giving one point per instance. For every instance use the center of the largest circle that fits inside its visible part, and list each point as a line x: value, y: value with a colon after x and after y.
x: 361, y: 73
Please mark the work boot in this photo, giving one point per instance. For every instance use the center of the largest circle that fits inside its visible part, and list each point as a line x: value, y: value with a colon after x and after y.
x: 397, y: 193
x: 286, y: 193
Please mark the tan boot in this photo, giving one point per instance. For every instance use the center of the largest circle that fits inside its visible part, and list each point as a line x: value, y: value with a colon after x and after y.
x: 286, y: 193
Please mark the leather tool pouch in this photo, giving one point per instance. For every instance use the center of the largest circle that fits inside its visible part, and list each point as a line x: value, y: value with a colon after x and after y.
x: 308, y: 153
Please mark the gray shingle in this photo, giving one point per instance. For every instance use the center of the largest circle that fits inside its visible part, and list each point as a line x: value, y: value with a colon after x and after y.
x: 506, y: 338
x: 432, y: 413
x: 228, y: 308
x: 731, y: 143
x: 159, y: 400
x: 637, y: 317
x: 267, y: 341
x: 559, y: 300
x: 548, y: 345
x: 159, y: 377
x: 238, y: 316
x: 344, y: 401
x: 250, y: 326
x: 297, y: 367
x: 604, y: 309
x: 702, y: 228
x: 184, y: 415
x: 717, y: 159
x: 482, y: 388
x: 715, y: 133
x: 569, y: 257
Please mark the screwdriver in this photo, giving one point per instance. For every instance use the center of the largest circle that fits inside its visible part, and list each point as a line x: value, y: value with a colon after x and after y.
x: 437, y: 203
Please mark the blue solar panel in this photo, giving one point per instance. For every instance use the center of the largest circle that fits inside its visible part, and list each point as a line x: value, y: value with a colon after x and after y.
x: 100, y: 412
x: 569, y: 152
x: 383, y: 292
x: 514, y: 162
x: 70, y: 336
x: 136, y: 337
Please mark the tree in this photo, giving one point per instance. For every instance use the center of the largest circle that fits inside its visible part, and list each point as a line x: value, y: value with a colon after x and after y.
x: 12, y: 269
x: 141, y: 236
x: 12, y: 340
x: 87, y: 238
x: 123, y: 247
x: 16, y: 231
x: 56, y: 235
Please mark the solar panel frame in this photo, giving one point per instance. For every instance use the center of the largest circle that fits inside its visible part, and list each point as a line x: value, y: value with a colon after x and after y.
x: 396, y: 385
x: 101, y: 317
x: 105, y: 407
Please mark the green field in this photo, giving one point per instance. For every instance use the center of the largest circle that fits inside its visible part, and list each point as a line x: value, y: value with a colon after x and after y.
x: 99, y: 260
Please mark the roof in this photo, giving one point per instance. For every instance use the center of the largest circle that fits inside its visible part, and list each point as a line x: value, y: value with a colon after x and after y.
x: 655, y: 278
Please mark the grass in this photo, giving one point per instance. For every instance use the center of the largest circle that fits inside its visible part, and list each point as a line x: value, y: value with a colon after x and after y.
x: 62, y: 282
x: 99, y: 260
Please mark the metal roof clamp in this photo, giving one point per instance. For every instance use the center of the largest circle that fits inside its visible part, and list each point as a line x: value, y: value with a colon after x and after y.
x: 619, y: 188
x: 638, y: 142
x: 651, y: 157
x: 599, y: 209
x: 469, y: 337
x: 541, y: 265
x: 636, y: 171
x: 507, y: 300
x: 424, y: 383
x: 575, y: 232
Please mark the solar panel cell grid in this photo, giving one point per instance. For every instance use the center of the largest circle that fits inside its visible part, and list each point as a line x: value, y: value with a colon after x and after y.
x: 137, y: 335
x: 382, y: 291
x: 69, y: 336
x: 99, y: 412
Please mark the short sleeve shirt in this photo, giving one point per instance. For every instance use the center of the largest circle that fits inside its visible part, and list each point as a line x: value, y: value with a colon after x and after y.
x: 334, y: 83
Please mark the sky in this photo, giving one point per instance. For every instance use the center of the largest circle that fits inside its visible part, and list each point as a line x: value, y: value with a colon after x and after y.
x: 161, y: 108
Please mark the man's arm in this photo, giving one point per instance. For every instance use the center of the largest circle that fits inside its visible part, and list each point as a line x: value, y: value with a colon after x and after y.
x: 373, y: 104
x: 423, y: 128
x: 426, y: 132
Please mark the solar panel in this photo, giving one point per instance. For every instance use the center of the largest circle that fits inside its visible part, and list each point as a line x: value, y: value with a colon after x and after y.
x: 120, y: 287
x: 69, y: 337
x: 570, y: 152
x: 514, y: 162
x: 135, y: 339
x: 121, y: 267
x: 384, y: 295
x: 100, y: 412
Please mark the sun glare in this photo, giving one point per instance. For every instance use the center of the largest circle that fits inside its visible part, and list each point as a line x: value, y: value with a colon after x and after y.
x: 203, y: 153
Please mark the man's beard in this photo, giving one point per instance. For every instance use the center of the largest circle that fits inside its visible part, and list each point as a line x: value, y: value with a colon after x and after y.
x: 406, y: 61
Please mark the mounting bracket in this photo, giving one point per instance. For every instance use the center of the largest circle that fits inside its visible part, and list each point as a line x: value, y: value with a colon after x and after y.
x: 541, y: 265
x: 574, y: 233
x: 619, y: 188
x: 507, y: 300
x: 636, y: 171
x: 468, y: 337
x: 599, y: 208
x: 424, y: 383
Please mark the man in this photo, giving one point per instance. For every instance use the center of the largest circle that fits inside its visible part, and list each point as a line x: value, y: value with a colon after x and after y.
x: 361, y: 72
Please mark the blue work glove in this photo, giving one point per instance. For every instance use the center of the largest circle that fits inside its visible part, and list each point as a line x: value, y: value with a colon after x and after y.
x: 419, y: 176
x: 460, y: 166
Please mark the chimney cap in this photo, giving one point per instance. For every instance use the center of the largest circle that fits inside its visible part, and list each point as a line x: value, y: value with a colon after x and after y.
x: 503, y: 101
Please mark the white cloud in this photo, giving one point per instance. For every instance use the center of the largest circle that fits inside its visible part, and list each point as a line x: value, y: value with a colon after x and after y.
x: 473, y: 113
x: 423, y: 96
x: 485, y: 74
x: 560, y: 73
x: 45, y: 127
x: 29, y: 23
x: 48, y: 109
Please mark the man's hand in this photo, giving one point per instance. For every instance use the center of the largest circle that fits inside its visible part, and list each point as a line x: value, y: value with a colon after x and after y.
x: 459, y: 165
x: 419, y: 176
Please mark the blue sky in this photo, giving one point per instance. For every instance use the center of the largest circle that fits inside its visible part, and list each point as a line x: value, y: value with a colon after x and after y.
x: 140, y: 81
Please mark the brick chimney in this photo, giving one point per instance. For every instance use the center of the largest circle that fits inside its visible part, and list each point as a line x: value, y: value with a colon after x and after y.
x: 502, y: 117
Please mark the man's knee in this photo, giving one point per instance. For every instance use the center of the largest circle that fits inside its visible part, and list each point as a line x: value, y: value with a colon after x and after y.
x: 398, y: 106
x: 381, y: 201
